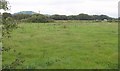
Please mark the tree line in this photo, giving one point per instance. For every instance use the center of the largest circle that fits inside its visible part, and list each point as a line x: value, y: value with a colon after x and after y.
x: 81, y: 17
x: 36, y: 18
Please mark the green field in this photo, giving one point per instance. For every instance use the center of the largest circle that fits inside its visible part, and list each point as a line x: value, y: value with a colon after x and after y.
x: 64, y: 45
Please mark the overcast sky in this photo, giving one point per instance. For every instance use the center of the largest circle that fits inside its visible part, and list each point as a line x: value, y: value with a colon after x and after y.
x: 66, y: 7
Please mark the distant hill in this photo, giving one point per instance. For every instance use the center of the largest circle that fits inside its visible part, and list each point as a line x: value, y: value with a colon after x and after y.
x: 25, y: 12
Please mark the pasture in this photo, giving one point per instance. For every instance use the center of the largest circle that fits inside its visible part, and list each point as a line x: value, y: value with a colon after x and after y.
x: 64, y: 45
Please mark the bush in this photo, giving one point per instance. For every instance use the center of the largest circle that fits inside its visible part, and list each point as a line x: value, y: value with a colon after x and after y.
x: 38, y: 18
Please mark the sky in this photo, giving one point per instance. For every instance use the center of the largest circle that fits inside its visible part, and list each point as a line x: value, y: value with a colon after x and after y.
x: 66, y: 7
x: 119, y: 9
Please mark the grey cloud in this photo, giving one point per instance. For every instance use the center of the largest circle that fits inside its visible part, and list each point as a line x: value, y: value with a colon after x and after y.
x: 67, y: 6
x: 119, y: 9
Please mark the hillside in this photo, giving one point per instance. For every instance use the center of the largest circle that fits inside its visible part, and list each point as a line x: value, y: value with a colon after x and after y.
x: 25, y: 12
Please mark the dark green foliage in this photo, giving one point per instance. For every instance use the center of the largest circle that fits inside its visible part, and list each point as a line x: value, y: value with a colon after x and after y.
x: 81, y: 17
x: 8, y: 24
x: 38, y: 18
x: 35, y: 18
x: 72, y: 17
x: 4, y: 5
x: 21, y: 16
x: 6, y: 15
x: 101, y: 17
x: 59, y: 17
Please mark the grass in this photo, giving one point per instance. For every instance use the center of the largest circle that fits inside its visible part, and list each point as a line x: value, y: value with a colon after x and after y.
x: 65, y: 45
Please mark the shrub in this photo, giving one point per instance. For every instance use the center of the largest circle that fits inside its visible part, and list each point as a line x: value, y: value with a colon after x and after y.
x: 38, y: 18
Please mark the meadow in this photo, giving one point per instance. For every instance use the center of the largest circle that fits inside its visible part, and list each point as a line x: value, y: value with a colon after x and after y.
x: 64, y: 45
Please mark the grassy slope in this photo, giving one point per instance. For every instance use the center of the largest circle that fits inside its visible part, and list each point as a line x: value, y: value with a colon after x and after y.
x: 65, y: 44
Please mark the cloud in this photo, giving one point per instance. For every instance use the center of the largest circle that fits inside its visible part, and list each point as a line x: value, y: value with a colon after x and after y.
x: 119, y: 9
x: 68, y: 7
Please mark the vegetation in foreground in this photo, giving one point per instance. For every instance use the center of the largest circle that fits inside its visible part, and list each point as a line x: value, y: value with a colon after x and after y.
x: 64, y: 45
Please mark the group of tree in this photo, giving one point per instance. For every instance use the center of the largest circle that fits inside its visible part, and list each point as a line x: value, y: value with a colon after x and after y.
x: 81, y: 17
x: 36, y: 18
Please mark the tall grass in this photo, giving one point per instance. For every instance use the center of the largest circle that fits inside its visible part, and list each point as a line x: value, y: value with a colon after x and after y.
x: 65, y: 45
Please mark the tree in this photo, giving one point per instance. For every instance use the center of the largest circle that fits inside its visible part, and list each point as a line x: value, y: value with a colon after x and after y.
x: 59, y: 17
x: 8, y: 24
x: 38, y: 18
x: 6, y: 15
x: 71, y: 17
x: 21, y: 16
x: 4, y: 4
x: 83, y: 17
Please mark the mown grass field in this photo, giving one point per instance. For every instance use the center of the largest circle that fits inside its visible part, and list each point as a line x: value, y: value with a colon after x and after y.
x: 65, y: 45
